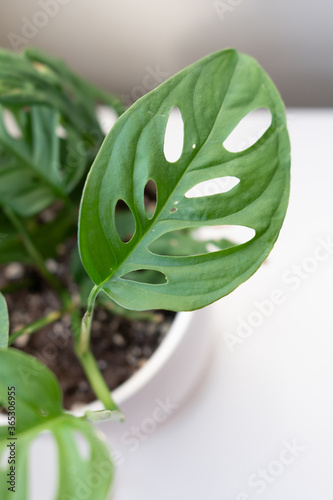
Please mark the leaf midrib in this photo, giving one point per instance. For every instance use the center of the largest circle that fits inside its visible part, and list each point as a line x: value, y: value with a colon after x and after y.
x: 155, y: 219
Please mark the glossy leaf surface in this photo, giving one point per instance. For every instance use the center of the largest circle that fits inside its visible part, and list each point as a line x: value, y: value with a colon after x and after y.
x: 49, y: 130
x: 213, y: 96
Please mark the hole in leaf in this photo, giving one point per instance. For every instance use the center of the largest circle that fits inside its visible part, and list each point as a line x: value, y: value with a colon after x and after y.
x: 174, y: 209
x: 61, y: 132
x: 11, y: 124
x: 149, y: 276
x: 83, y: 445
x: 249, y: 130
x: 207, y: 239
x: 40, y: 67
x: 43, y: 446
x: 107, y: 117
x: 212, y: 186
x: 124, y: 221
x: 237, y: 234
x: 150, y: 198
x: 174, y: 136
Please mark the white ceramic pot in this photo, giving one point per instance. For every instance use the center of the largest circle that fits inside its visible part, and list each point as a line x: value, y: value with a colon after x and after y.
x: 171, y: 372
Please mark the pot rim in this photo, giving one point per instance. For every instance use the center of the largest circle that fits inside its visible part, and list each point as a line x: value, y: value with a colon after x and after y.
x: 155, y: 363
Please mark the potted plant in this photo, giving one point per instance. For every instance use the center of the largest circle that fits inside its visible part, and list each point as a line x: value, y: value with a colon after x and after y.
x: 136, y: 271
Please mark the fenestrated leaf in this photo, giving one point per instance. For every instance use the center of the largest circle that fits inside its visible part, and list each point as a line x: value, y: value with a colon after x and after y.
x: 59, y: 131
x: 29, y: 179
x: 213, y: 95
x: 33, y: 77
x: 38, y: 408
x: 85, y: 95
x: 4, y: 323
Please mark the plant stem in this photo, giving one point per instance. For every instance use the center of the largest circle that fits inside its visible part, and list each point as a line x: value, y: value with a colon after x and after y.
x: 84, y: 339
x: 86, y: 358
x: 97, y: 381
x: 40, y: 323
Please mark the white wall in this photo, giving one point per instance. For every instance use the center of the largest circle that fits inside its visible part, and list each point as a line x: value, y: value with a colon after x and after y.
x: 118, y: 43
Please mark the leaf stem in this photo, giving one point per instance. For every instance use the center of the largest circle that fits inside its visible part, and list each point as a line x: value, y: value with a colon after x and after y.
x: 50, y: 318
x: 97, y: 381
x: 86, y: 358
x: 84, y: 339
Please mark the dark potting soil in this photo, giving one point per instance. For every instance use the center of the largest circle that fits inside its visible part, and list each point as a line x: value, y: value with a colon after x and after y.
x: 120, y: 345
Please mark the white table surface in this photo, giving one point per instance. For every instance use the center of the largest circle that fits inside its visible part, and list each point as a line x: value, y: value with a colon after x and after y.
x: 271, y: 393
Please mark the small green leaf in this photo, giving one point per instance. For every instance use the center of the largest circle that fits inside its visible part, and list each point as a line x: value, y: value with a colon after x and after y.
x: 38, y: 408
x: 4, y: 323
x: 213, y: 96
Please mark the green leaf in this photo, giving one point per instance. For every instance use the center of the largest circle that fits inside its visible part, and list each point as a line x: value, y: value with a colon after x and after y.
x: 213, y: 96
x: 36, y: 78
x: 4, y: 323
x: 29, y: 175
x: 86, y: 95
x: 59, y: 134
x: 38, y: 167
x: 38, y: 408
